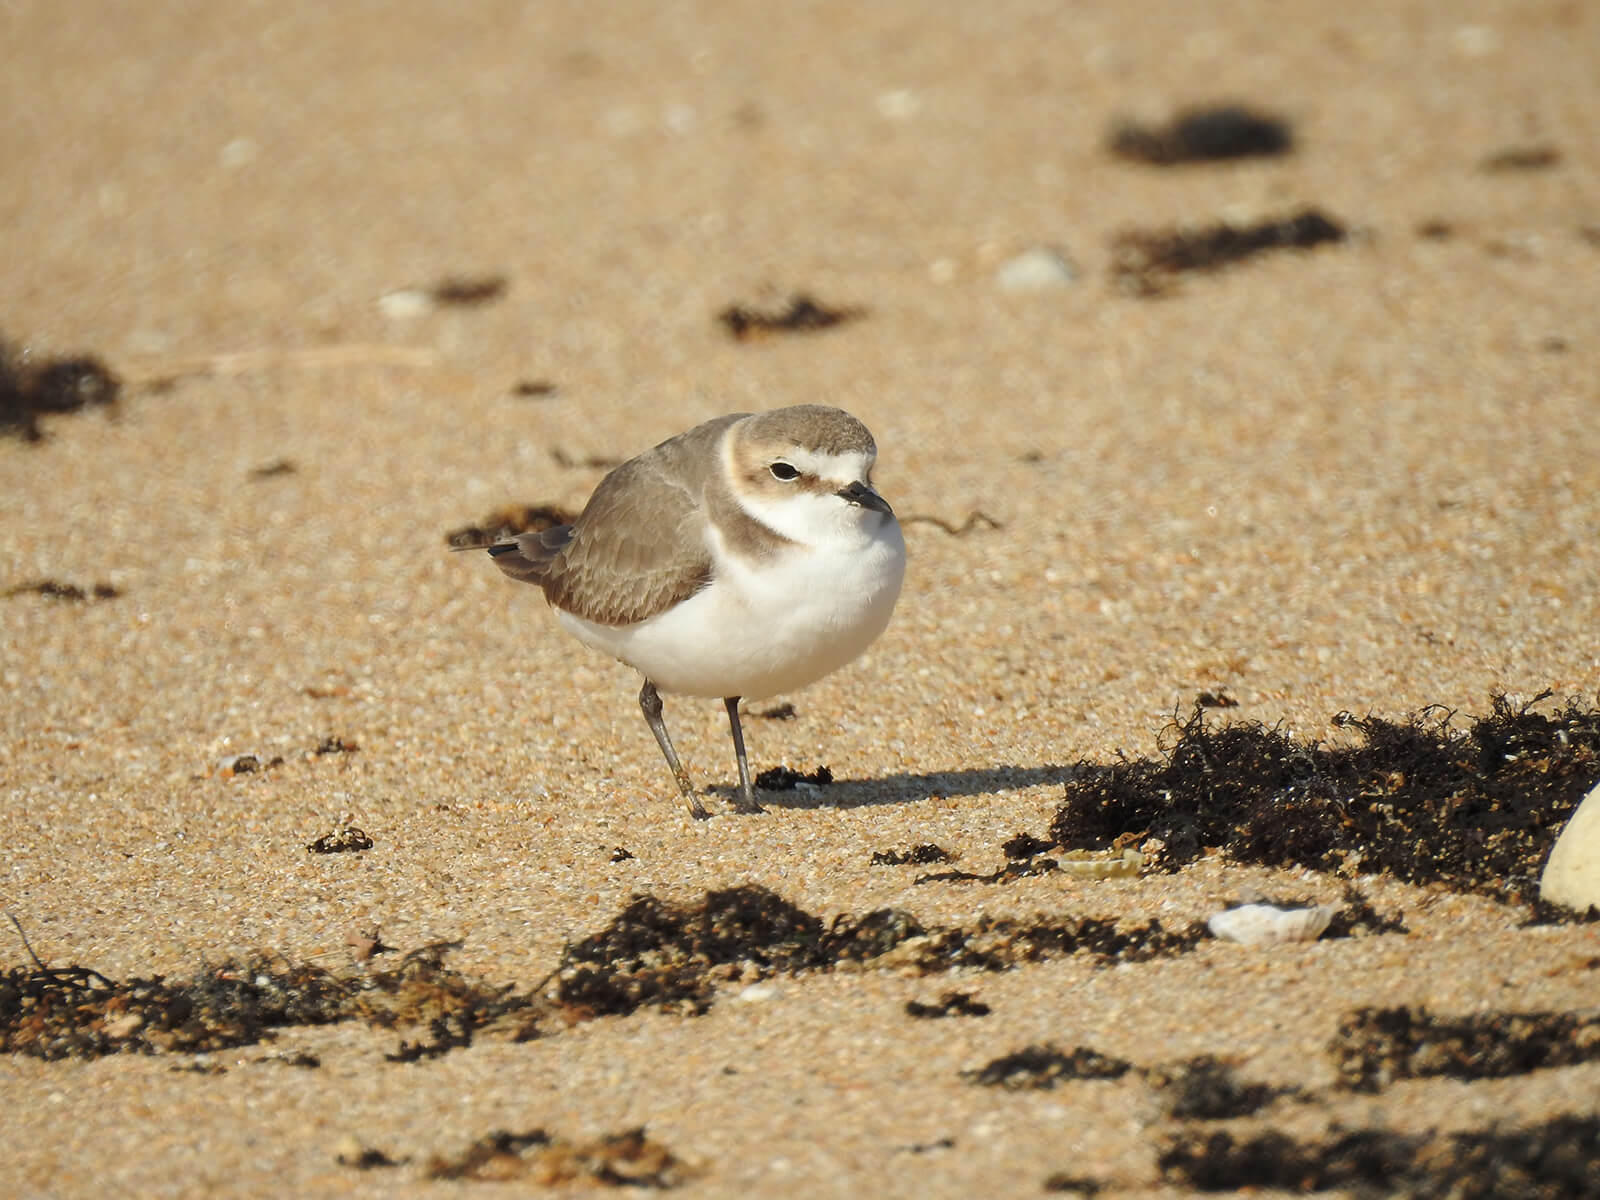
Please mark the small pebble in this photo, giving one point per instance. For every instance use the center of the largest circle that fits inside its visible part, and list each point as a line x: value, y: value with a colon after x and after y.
x: 1037, y: 270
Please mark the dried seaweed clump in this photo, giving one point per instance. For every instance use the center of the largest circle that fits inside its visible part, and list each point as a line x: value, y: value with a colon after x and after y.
x: 1045, y: 1066
x: 74, y: 1012
x: 1374, y: 1047
x: 627, y: 1159
x: 1211, y: 134
x: 673, y: 956
x: 801, y: 314
x: 1417, y: 798
x: 29, y: 390
x: 999, y: 943
x: 1145, y: 262
x: 1560, y: 1157
x: 1207, y: 1089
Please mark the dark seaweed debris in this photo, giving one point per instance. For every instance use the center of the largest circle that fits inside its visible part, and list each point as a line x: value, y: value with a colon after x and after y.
x: 1419, y: 798
x: 1145, y: 262
x: 31, y: 389
x: 54, y: 589
x: 1374, y: 1047
x: 786, y: 779
x: 468, y: 291
x: 1210, y: 134
x: 673, y: 956
x: 950, y: 1004
x: 918, y: 856
x: 1558, y: 1158
x: 1207, y: 1089
x: 74, y: 1012
x: 1008, y: 872
x: 1522, y: 158
x: 800, y: 314
x: 341, y: 841
x: 1045, y: 1066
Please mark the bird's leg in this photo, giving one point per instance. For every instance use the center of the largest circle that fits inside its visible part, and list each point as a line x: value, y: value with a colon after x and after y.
x: 650, y: 702
x: 747, y: 793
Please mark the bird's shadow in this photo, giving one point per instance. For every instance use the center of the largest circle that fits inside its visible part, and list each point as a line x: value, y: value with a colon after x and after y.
x: 901, y: 787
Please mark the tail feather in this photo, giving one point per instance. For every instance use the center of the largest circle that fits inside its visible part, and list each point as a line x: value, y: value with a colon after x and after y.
x: 528, y: 556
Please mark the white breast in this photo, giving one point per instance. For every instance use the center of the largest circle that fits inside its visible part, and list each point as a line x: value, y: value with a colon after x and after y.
x: 772, y: 626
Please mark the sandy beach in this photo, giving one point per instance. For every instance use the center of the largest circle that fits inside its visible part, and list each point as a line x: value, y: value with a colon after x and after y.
x: 369, y: 274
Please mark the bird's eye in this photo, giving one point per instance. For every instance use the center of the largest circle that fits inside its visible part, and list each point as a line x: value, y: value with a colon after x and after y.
x: 782, y: 470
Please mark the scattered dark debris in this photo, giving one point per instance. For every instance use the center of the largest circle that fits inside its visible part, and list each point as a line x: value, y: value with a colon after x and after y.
x: 75, y: 1012
x: 1554, y: 344
x: 1210, y: 134
x: 628, y: 1159
x: 1216, y: 699
x: 447, y: 1031
x: 533, y: 389
x: 1420, y: 799
x: 975, y: 520
x: 1375, y: 1047
x: 919, y: 856
x: 1145, y: 262
x: 1435, y: 229
x: 950, y: 1004
x: 1082, y: 1185
x: 29, y: 389
x: 1206, y: 1089
x: 365, y: 1158
x: 801, y: 314
x: 1590, y: 234
x: 1009, y: 872
x: 341, y: 841
x: 778, y: 712
x: 944, y: 1143
x: 298, y: 1059
x: 672, y: 957
x: 1560, y: 1157
x: 234, y: 765
x: 1025, y: 845
x: 333, y: 744
x: 999, y: 943
x: 468, y: 291
x: 200, y: 1066
x: 1521, y: 158
x: 786, y: 779
x: 587, y: 462
x: 1357, y: 918
x: 621, y: 854
x: 1543, y: 912
x: 54, y: 589
x: 1045, y: 1066
x: 507, y: 523
x: 278, y: 466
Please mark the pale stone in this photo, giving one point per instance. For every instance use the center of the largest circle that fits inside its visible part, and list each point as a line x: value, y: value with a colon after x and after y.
x: 1572, y: 876
x: 1037, y: 270
x: 1267, y: 925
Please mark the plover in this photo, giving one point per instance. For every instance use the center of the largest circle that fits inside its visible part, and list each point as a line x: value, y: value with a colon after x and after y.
x: 747, y: 557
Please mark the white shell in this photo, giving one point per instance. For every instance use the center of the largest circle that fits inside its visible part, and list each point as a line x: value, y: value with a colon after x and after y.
x: 1572, y: 876
x: 1267, y: 925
